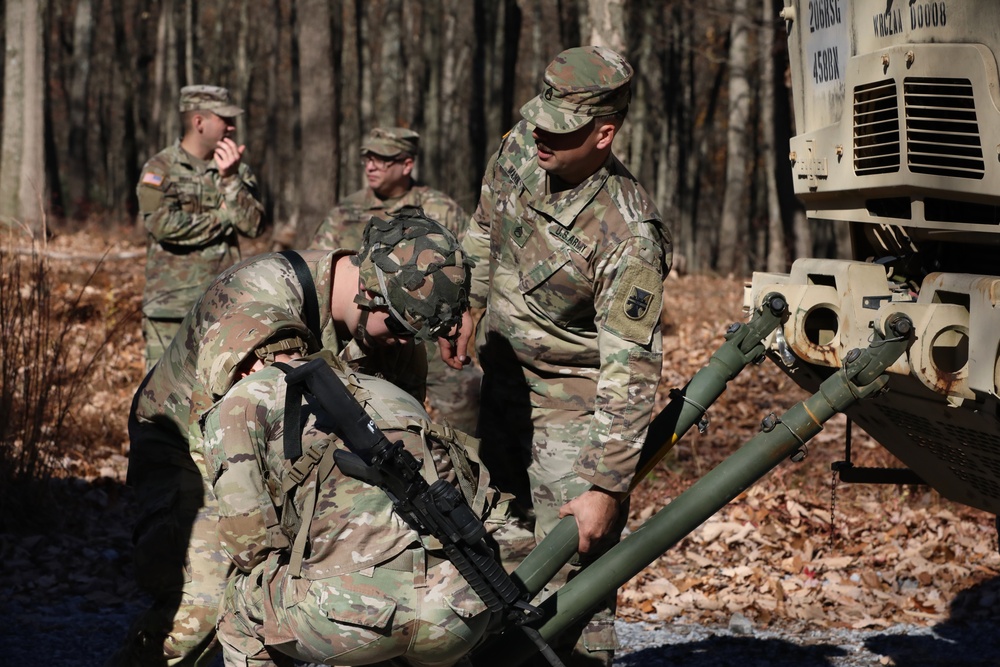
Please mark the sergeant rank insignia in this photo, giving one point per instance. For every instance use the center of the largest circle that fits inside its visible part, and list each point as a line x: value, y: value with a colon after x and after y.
x: 637, y: 303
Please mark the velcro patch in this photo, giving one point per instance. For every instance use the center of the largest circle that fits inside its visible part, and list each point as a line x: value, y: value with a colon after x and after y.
x: 151, y: 178
x: 638, y: 299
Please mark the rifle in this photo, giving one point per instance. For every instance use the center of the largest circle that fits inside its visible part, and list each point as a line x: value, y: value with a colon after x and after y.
x: 437, y: 509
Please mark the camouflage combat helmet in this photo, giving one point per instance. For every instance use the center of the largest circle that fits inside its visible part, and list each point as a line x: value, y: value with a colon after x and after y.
x: 415, y: 267
x: 249, y: 330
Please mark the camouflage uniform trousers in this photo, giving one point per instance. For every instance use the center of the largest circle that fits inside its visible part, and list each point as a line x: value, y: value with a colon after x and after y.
x: 453, y: 393
x: 413, y: 606
x: 180, y: 562
x: 158, y: 333
x: 530, y: 451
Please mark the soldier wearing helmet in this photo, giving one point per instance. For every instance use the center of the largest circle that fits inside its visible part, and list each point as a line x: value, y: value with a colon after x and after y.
x: 366, y: 307
x: 341, y: 579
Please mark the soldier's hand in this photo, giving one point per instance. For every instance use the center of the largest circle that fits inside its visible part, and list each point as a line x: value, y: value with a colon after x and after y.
x: 456, y: 354
x: 595, y: 512
x: 228, y: 156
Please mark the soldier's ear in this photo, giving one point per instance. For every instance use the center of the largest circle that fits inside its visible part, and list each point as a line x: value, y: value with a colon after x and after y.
x: 407, y: 166
x: 197, y: 121
x: 606, y: 132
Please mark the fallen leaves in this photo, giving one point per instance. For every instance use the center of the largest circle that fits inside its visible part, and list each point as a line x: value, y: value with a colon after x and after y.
x: 783, y: 551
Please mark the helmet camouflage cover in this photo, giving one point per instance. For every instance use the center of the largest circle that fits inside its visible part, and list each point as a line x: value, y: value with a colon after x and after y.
x: 416, y: 268
x: 246, y: 331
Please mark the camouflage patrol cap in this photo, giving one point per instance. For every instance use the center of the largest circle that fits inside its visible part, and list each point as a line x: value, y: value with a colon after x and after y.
x: 208, y: 98
x: 581, y: 83
x: 239, y: 333
x: 416, y: 268
x: 391, y: 141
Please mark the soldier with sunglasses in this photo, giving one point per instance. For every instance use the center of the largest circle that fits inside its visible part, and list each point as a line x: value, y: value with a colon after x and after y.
x: 408, y: 283
x: 388, y: 157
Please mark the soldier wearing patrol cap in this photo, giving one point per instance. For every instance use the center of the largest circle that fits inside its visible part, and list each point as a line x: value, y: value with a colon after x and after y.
x: 570, y: 257
x: 195, y: 197
x: 388, y: 155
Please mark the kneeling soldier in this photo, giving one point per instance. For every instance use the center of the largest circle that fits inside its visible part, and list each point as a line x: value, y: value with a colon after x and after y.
x: 328, y: 572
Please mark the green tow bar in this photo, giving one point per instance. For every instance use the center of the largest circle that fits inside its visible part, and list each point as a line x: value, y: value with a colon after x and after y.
x: 687, y: 406
x: 861, y: 377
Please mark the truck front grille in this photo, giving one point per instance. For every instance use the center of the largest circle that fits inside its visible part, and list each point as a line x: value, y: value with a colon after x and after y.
x: 942, y: 133
x: 876, y: 128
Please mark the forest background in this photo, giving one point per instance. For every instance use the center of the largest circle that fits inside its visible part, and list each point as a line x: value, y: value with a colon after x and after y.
x: 90, y: 93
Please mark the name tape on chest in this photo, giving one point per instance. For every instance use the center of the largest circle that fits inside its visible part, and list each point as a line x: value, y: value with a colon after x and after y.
x: 512, y: 174
x: 575, y: 243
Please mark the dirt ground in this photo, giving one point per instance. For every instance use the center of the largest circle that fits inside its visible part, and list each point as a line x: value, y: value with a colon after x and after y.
x: 797, y: 548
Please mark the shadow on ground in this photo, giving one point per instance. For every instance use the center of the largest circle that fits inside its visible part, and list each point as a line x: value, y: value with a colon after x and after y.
x: 721, y: 651
x: 970, y: 637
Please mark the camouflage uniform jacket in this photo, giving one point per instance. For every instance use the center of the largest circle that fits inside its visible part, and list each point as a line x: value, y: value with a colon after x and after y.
x: 233, y: 317
x: 192, y: 216
x: 573, y: 286
x: 346, y: 221
x: 353, y: 526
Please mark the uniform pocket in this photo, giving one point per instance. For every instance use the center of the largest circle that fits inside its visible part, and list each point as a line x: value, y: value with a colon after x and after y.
x: 553, y: 289
x: 349, y: 604
x: 189, y: 196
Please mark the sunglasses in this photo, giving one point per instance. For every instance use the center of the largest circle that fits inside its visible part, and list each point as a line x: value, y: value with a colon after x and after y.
x: 380, y: 163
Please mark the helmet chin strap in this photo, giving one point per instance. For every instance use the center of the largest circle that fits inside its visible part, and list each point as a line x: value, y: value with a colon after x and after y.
x: 366, y: 304
x: 361, y: 333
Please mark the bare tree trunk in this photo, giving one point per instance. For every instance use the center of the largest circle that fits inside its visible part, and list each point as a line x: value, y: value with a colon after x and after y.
x: 271, y: 159
x: 776, y: 260
x: 242, y: 87
x: 733, y: 231
x: 803, y: 234
x: 78, y: 185
x: 317, y: 97
x: 607, y: 28
x: 23, y: 187
x: 688, y: 180
x: 352, y: 88
x: 496, y: 42
x: 189, y: 38
x: 607, y: 24
x: 842, y: 234
x: 166, y: 124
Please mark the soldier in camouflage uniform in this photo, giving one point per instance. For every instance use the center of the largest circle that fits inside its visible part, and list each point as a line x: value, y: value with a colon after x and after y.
x: 409, y: 281
x: 388, y: 156
x: 365, y: 589
x: 570, y: 260
x: 194, y: 198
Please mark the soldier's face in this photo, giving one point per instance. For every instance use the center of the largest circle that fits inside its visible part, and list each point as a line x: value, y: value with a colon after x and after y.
x: 216, y: 128
x: 572, y: 156
x: 387, y: 176
x: 379, y: 331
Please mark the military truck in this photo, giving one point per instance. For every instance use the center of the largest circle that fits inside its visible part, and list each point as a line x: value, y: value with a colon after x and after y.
x: 897, y: 136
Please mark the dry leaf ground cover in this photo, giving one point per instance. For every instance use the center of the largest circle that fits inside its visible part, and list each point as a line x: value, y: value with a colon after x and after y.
x: 895, y: 554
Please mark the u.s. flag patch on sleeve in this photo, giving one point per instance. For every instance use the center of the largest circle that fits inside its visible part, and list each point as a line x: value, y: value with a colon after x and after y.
x: 149, y: 178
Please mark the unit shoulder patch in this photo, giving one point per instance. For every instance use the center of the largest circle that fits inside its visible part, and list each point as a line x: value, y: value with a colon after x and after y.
x: 636, y: 305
